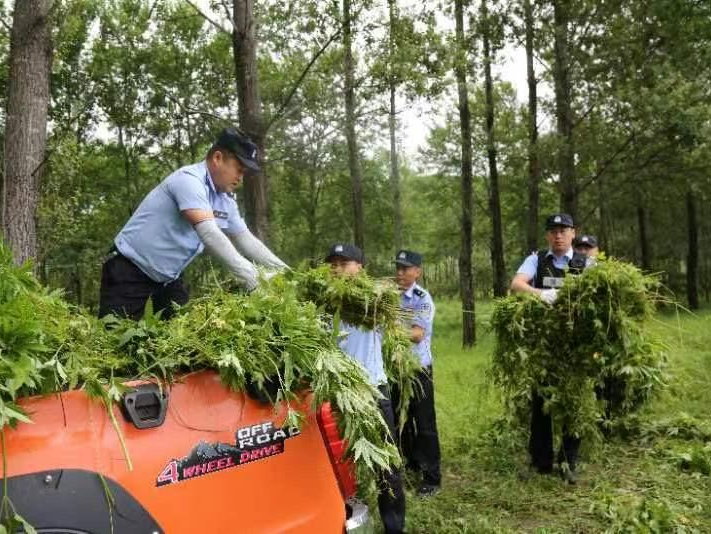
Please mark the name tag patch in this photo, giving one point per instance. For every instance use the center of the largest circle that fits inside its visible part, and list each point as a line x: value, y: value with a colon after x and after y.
x: 552, y: 282
x: 220, y: 214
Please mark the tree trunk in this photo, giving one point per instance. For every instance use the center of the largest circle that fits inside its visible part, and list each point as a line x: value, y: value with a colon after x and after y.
x: 497, y: 239
x: 244, y: 48
x: 604, y: 241
x: 126, y: 172
x: 26, y: 124
x: 392, y: 124
x: 644, y: 239
x: 353, y: 158
x: 564, y: 110
x: 312, y: 217
x: 533, y: 167
x: 692, y: 262
x: 466, y: 278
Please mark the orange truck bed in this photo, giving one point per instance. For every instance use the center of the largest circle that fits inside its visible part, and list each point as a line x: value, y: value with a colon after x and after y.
x: 219, y: 462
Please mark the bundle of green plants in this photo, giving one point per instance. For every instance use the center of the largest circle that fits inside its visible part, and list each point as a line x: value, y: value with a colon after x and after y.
x: 596, y: 331
x: 370, y: 303
x: 49, y: 345
x: 358, y: 300
x: 401, y: 368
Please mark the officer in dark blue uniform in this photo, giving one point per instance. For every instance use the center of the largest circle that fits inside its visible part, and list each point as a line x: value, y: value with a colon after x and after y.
x: 420, y: 440
x: 542, y: 274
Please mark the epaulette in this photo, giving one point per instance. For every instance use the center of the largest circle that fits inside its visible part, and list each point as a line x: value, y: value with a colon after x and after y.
x: 419, y: 292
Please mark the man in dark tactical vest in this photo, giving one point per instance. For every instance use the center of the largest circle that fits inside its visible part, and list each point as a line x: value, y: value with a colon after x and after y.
x: 542, y: 274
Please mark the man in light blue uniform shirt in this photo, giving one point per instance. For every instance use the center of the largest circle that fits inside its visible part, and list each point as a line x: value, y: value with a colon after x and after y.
x: 542, y: 273
x: 420, y: 439
x: 190, y: 211
x: 365, y: 346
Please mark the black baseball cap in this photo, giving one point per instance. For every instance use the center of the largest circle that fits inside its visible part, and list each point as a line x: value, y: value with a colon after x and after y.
x: 408, y: 258
x: 345, y: 250
x: 559, y: 219
x: 585, y: 241
x: 240, y: 146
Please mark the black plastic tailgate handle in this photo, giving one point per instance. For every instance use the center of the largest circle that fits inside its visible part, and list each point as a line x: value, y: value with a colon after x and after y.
x: 145, y: 406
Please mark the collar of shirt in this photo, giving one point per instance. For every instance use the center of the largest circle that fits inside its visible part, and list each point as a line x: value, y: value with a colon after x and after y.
x: 408, y: 292
x: 568, y: 254
x: 208, y: 180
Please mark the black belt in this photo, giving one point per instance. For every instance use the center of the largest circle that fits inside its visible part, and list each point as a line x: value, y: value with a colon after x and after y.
x: 113, y: 252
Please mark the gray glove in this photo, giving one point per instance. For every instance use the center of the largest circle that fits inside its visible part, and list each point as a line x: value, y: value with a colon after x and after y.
x: 255, y: 250
x: 219, y: 246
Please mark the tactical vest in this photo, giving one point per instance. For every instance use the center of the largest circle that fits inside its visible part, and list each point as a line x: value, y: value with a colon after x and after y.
x: 548, y: 275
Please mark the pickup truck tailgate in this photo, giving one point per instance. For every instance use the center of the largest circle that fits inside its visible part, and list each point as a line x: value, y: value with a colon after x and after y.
x: 220, y: 461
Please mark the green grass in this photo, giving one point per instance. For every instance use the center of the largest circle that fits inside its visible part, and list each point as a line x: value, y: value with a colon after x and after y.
x: 650, y: 481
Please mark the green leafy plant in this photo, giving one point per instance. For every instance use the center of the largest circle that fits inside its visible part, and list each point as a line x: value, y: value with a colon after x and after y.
x: 273, y: 336
x: 370, y: 303
x: 636, y: 515
x: 595, y: 332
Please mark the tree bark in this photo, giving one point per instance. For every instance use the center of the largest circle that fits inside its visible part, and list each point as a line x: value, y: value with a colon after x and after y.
x: 353, y: 157
x: 312, y: 216
x: 563, y: 109
x: 244, y: 48
x: 26, y: 125
x: 692, y: 262
x: 644, y: 246
x: 605, y: 237
x: 533, y: 166
x: 466, y: 278
x: 392, y: 124
x: 497, y: 239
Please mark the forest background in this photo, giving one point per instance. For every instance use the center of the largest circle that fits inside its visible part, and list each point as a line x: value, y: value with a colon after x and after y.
x: 614, y: 129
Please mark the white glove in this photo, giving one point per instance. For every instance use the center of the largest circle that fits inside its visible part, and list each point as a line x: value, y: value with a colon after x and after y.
x: 268, y: 275
x: 549, y: 295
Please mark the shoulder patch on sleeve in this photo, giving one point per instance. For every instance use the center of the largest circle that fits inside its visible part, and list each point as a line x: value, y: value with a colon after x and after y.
x: 417, y: 291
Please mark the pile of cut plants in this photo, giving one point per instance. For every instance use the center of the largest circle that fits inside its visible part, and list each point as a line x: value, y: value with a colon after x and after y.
x: 372, y: 304
x: 274, y: 335
x: 590, y: 355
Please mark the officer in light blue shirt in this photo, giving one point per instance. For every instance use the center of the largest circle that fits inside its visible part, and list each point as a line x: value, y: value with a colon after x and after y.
x: 541, y: 274
x: 365, y: 346
x: 420, y: 438
x: 190, y: 211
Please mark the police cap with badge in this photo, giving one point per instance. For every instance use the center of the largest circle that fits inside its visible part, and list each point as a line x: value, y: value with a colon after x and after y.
x: 559, y: 219
x: 576, y: 264
x: 408, y: 258
x: 589, y: 241
x: 240, y: 146
x: 347, y: 251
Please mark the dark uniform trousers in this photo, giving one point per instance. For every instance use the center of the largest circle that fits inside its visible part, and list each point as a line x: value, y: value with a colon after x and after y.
x: 540, y: 444
x: 420, y: 440
x: 125, y: 289
x: 391, y: 497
